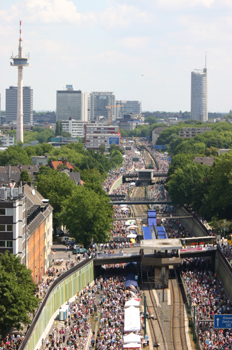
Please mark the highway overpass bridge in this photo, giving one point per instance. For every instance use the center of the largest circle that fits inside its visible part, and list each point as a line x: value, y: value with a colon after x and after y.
x: 156, y: 259
x: 139, y: 200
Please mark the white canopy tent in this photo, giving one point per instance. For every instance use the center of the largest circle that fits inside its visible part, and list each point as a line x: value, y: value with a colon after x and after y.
x: 132, y: 338
x: 132, y: 319
x: 131, y: 235
x: 132, y: 346
x: 132, y: 302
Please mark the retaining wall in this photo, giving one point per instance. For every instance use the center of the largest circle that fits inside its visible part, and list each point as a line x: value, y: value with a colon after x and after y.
x: 224, y: 272
x: 62, y: 290
x: 193, y: 225
x: 117, y: 183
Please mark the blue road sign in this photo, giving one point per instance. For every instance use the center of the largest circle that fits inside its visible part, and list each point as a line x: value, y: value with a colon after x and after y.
x: 222, y: 321
x: 159, y: 147
x: 170, y: 159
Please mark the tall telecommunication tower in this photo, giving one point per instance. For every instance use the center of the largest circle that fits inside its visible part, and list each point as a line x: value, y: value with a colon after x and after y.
x: 20, y: 62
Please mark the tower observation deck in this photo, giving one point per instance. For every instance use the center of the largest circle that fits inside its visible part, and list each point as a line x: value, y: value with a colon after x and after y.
x: 20, y: 62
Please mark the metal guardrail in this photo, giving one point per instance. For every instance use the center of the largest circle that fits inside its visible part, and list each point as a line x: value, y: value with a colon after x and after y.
x: 142, y: 199
x: 116, y: 255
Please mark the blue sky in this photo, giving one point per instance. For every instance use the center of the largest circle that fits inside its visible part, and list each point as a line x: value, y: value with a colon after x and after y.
x: 140, y: 49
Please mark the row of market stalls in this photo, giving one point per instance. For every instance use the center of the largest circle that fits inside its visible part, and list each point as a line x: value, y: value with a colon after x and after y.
x: 132, y: 321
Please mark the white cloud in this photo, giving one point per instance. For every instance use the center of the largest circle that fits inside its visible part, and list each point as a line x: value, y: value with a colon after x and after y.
x: 64, y: 11
x: 185, y: 3
x: 135, y: 43
x: 216, y: 31
x: 123, y: 16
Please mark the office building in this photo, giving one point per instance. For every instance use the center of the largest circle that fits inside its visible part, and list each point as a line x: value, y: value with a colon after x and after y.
x: 199, y: 95
x: 74, y: 127
x: 68, y: 104
x: 192, y: 132
x: 12, y: 101
x: 99, y: 134
x: 98, y: 103
x: 127, y: 107
x: 7, y: 140
x: 85, y: 107
x: 72, y: 104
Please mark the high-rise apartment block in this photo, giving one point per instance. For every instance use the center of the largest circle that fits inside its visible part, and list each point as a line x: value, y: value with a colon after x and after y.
x: 127, y: 107
x: 12, y: 101
x: 199, y: 95
x: 26, y: 227
x: 98, y: 103
x: 71, y: 103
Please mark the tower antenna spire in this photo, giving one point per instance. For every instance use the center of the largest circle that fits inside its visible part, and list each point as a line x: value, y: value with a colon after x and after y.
x: 20, y: 30
x: 205, y: 60
x: 20, y: 62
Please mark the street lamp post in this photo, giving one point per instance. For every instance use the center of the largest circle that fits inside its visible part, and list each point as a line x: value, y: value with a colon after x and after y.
x: 145, y: 315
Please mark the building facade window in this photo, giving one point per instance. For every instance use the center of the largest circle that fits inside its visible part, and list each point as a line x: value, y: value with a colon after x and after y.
x: 6, y: 228
x: 6, y: 244
x: 8, y: 211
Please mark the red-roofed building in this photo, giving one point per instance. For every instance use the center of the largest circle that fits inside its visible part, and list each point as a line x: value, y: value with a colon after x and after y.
x: 55, y: 163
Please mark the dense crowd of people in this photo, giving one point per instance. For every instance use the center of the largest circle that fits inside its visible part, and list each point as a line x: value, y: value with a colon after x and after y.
x: 106, y: 300
x: 12, y: 342
x: 175, y: 229
x: 208, y: 296
x: 128, y: 165
x: 108, y: 295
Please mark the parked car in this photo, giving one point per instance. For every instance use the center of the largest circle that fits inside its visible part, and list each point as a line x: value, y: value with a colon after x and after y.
x: 65, y: 240
x: 79, y: 251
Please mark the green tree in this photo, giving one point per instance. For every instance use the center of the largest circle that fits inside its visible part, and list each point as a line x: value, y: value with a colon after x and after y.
x: 151, y: 120
x: 14, y: 155
x: 17, y: 293
x: 102, y: 149
x: 55, y: 186
x: 24, y: 176
x: 221, y: 186
x: 58, y: 127
x: 65, y: 134
x: 183, y: 182
x: 87, y: 215
x: 91, y: 176
x: 123, y: 133
x: 180, y: 161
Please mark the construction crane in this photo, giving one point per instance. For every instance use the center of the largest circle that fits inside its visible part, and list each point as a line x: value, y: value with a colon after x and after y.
x: 109, y: 108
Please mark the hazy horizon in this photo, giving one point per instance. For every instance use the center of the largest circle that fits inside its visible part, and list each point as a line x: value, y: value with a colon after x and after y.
x: 139, y: 49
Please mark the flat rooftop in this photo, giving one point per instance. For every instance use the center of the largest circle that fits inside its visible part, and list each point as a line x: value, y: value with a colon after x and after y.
x: 161, y: 244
